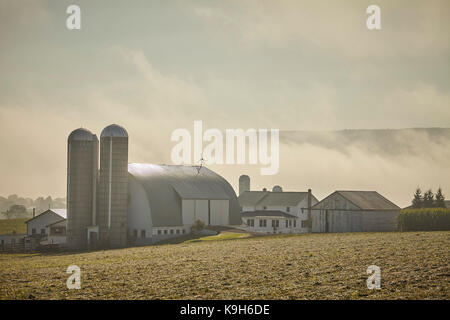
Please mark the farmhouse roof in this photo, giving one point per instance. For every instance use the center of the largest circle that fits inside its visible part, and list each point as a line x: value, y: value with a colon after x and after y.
x: 267, y: 213
x: 251, y: 198
x: 267, y: 198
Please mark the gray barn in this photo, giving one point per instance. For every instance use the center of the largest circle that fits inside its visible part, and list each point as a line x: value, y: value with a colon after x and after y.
x: 354, y: 211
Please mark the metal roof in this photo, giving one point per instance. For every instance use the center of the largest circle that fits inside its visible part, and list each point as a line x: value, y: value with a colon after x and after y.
x: 114, y: 130
x: 251, y: 198
x: 366, y: 200
x: 81, y: 134
x: 283, y: 198
x: 267, y: 213
x: 167, y: 185
x: 267, y: 198
x: 60, y: 212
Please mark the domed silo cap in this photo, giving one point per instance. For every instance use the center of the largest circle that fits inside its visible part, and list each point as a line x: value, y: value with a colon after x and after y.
x: 114, y: 130
x: 81, y: 134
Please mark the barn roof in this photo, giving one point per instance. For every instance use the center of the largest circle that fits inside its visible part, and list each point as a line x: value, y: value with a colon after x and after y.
x: 267, y: 213
x: 366, y: 200
x: 166, y: 185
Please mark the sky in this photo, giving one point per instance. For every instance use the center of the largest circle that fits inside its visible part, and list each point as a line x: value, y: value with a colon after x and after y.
x: 155, y: 66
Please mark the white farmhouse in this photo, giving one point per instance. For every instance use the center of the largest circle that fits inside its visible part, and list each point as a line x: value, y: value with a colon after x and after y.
x: 276, y: 211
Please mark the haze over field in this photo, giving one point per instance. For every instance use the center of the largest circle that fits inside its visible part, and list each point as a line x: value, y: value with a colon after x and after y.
x: 309, y: 68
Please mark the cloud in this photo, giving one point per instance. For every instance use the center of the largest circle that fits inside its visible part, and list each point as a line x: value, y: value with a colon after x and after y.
x: 409, y: 28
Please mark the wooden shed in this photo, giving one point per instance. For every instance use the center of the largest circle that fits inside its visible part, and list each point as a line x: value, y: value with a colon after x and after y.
x: 354, y: 211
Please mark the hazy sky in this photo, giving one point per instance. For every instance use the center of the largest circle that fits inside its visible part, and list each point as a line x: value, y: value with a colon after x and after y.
x: 154, y: 66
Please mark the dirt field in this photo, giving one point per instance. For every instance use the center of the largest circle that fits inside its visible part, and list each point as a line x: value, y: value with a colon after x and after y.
x: 414, y: 265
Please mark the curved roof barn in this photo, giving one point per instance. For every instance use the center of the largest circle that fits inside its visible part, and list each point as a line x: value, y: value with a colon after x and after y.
x: 162, y: 187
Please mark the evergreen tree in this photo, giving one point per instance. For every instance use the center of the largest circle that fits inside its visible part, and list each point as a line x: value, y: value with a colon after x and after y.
x: 417, y: 202
x: 428, y: 199
x: 439, y: 202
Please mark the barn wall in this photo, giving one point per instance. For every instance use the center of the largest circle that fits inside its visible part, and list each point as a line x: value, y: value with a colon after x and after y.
x: 139, y: 211
x: 352, y: 221
x: 379, y: 221
x: 219, y: 214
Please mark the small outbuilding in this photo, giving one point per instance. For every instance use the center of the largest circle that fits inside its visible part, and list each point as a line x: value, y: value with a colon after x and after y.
x: 40, y: 224
x: 354, y: 211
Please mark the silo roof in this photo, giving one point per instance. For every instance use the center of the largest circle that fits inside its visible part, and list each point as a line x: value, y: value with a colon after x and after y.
x: 114, y: 130
x: 81, y: 134
x: 167, y: 185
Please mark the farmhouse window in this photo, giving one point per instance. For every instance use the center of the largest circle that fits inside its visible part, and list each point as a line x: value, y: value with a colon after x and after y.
x: 159, y: 231
x: 287, y: 223
x: 33, y: 231
x: 142, y: 233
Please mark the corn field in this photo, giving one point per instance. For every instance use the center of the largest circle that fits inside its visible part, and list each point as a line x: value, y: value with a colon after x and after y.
x: 425, y: 219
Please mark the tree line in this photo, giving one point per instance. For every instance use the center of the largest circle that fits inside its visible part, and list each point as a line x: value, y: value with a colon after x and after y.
x: 428, y: 199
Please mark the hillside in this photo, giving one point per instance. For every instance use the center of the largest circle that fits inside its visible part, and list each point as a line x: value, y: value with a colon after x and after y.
x: 7, y: 226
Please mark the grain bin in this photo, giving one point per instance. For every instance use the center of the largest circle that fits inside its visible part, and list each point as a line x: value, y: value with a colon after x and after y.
x: 112, y: 194
x: 82, y: 168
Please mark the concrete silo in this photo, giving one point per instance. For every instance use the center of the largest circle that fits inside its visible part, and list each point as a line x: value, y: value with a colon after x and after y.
x: 112, y: 193
x: 82, y: 169
x: 244, y: 184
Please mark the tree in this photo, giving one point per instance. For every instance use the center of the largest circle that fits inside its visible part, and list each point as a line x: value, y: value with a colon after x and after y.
x: 440, y: 199
x: 417, y: 202
x: 16, y: 210
x: 428, y: 199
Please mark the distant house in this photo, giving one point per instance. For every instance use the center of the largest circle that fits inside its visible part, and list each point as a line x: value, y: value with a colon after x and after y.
x: 50, y: 226
x: 275, y: 211
x: 354, y: 211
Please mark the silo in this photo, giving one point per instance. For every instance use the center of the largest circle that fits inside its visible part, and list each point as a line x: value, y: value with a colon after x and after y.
x: 277, y: 188
x: 244, y: 184
x: 112, y: 191
x: 82, y: 168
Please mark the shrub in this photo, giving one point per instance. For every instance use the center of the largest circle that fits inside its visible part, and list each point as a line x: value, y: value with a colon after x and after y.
x: 197, y: 226
x: 425, y: 219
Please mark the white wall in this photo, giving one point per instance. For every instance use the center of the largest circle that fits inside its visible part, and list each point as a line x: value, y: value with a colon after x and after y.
x: 201, y: 210
x: 269, y: 229
x: 42, y: 221
x: 219, y: 212
x: 139, y: 212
